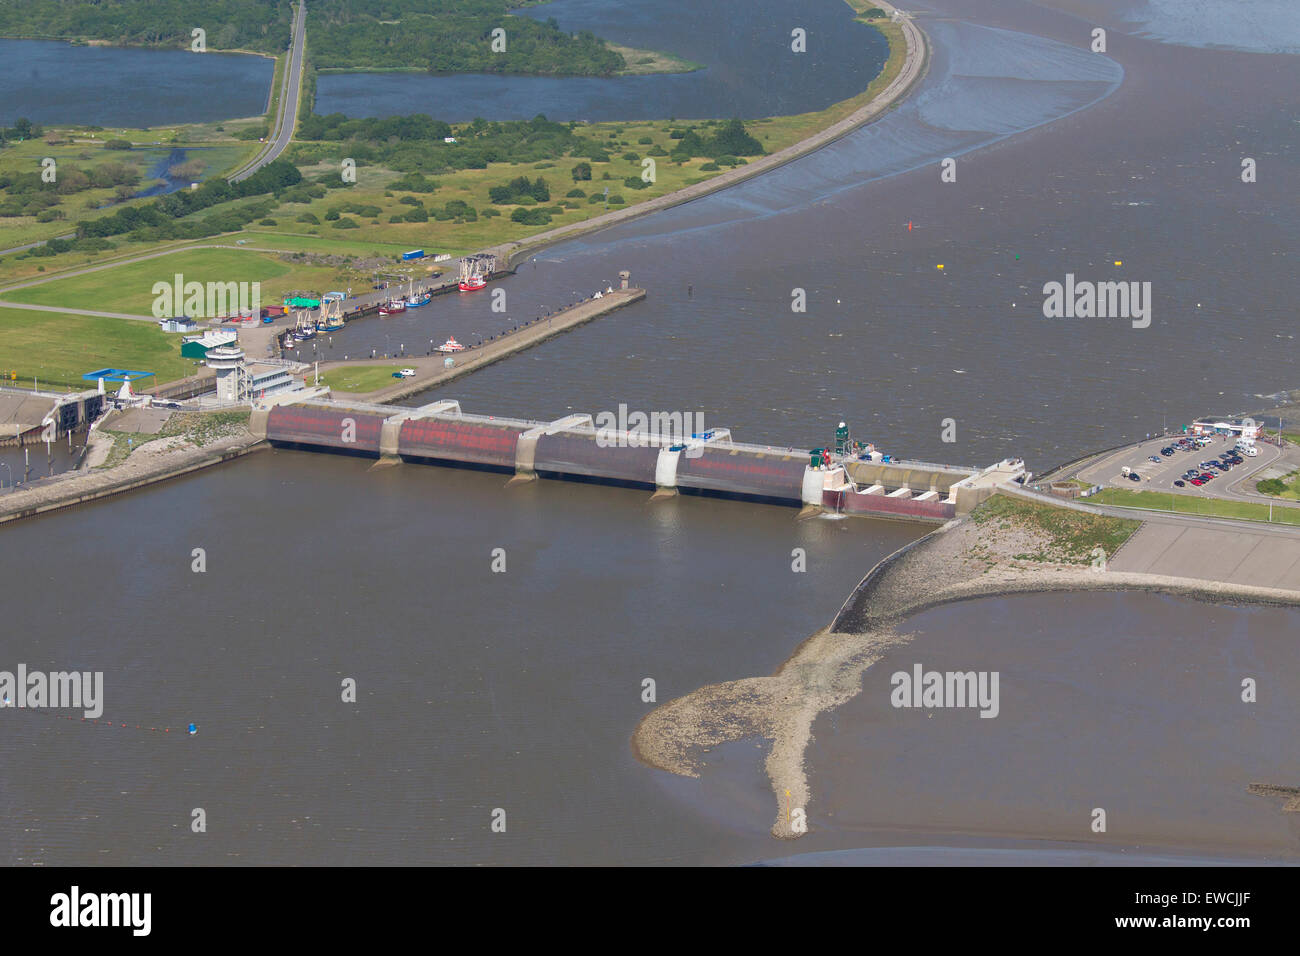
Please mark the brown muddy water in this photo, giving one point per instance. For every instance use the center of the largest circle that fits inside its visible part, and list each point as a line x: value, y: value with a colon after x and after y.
x: 519, y: 691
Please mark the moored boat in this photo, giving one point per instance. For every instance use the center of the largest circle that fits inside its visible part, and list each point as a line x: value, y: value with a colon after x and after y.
x: 451, y: 345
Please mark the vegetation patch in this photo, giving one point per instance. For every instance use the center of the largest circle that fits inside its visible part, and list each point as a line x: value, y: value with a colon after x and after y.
x: 1063, y: 535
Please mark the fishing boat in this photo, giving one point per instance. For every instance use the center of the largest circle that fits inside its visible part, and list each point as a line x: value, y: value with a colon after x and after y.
x: 472, y: 283
x: 334, y: 322
x: 393, y: 307
x: 416, y: 301
x: 451, y: 345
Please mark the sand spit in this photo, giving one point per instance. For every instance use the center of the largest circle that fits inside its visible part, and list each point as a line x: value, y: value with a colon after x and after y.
x: 964, y: 559
x: 824, y: 672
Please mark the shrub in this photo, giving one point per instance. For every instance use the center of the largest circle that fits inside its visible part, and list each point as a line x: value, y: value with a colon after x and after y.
x: 489, y: 212
x: 332, y: 215
x: 309, y: 217
x: 644, y: 141
x: 575, y: 194
x: 581, y: 171
x: 347, y: 223
x: 266, y: 222
x: 616, y: 200
x: 118, y: 144
x: 531, y: 217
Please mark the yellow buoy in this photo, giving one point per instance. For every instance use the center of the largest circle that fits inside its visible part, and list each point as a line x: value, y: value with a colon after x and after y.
x: 1119, y: 262
x: 939, y: 266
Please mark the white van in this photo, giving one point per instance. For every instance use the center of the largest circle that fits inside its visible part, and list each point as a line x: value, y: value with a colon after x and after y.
x: 1250, y: 452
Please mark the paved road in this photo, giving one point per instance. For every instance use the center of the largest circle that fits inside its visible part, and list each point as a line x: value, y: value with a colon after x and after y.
x: 1236, y: 555
x: 33, y: 245
x: 59, y: 308
x: 286, y: 117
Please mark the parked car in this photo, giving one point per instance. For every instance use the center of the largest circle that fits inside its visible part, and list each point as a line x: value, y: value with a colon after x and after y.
x: 407, y: 373
x: 1134, y: 476
x: 1154, y: 458
x: 1180, y: 483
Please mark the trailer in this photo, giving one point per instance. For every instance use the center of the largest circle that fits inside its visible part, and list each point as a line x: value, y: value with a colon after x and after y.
x: 413, y: 254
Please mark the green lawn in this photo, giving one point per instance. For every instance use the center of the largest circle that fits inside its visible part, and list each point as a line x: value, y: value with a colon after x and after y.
x: 1189, y: 504
x: 361, y: 378
x: 57, y: 349
x: 129, y: 288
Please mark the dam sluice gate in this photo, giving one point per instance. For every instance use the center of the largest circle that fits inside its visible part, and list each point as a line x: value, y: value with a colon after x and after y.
x: 574, y: 448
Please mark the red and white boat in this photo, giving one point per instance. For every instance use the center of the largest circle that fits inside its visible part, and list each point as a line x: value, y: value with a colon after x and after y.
x: 472, y: 283
x: 393, y: 307
x: 451, y: 345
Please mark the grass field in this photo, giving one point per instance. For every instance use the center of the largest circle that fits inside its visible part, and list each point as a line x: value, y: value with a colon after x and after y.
x: 58, y: 349
x: 129, y: 288
x: 1192, y: 505
x: 361, y: 378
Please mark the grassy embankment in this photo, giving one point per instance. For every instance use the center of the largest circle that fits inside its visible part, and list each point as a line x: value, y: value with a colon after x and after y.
x: 128, y: 287
x: 1193, y: 505
x: 197, y: 428
x: 1064, y: 536
x: 360, y: 379
x: 58, y: 349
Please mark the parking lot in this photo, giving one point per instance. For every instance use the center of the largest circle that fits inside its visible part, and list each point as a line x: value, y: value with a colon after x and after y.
x: 1160, y: 475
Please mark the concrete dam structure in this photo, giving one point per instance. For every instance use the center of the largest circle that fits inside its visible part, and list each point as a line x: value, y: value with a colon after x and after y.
x: 575, y: 448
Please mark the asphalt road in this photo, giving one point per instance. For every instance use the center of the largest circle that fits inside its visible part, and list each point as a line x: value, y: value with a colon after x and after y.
x: 286, y: 117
